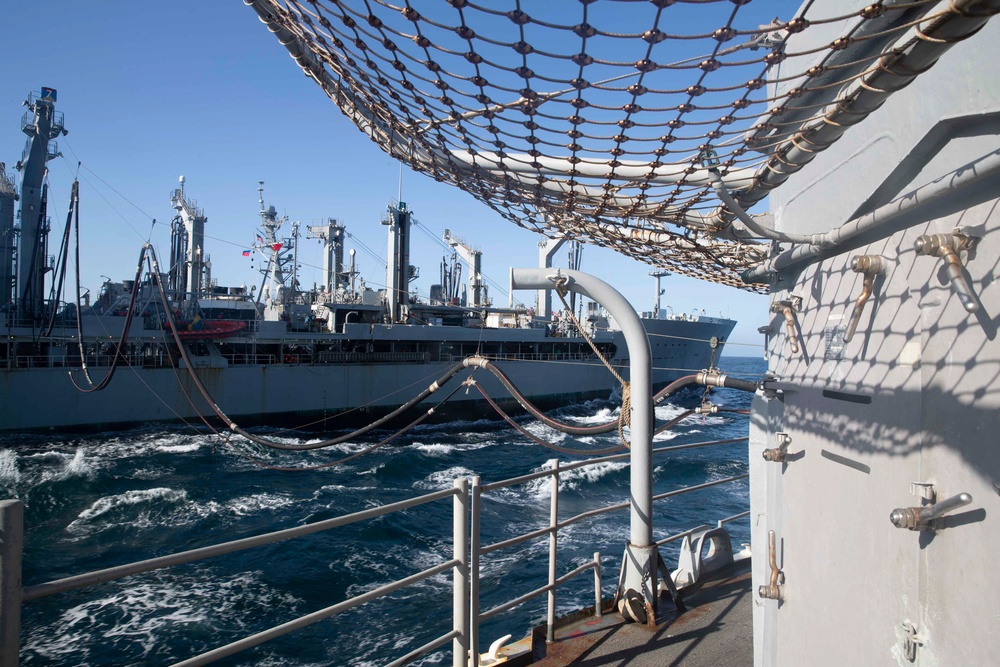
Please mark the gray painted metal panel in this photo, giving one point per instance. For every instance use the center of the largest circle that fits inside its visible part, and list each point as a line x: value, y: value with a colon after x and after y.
x: 912, y: 398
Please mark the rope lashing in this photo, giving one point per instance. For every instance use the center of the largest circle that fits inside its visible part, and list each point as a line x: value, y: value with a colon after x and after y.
x: 625, y: 418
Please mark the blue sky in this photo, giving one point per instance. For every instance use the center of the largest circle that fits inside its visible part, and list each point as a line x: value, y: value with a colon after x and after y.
x: 154, y: 90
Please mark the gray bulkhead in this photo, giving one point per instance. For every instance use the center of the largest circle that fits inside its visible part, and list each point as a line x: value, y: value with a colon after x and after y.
x: 913, y: 397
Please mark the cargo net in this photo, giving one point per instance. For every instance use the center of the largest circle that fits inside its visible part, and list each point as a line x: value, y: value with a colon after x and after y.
x: 605, y: 121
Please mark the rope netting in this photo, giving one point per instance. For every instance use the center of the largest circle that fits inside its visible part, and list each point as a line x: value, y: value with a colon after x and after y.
x: 605, y: 120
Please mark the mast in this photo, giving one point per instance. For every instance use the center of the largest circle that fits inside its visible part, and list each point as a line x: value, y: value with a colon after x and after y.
x: 474, y: 258
x: 276, y: 292
x: 547, y: 248
x: 193, y: 221
x: 575, y: 259
x: 332, y: 236
x: 42, y: 123
x: 658, y: 274
x: 398, y: 270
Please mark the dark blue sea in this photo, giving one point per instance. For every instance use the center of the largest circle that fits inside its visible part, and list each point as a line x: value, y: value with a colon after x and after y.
x: 97, y: 501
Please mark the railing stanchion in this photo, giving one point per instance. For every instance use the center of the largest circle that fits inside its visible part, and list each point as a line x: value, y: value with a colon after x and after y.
x: 476, y: 509
x: 460, y: 598
x: 550, y: 631
x: 11, y: 544
x: 598, y: 612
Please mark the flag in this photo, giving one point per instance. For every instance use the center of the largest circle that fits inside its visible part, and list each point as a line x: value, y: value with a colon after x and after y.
x: 260, y: 239
x: 277, y: 246
x: 246, y: 253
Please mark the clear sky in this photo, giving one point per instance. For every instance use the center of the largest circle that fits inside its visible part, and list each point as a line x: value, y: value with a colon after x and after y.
x: 154, y: 90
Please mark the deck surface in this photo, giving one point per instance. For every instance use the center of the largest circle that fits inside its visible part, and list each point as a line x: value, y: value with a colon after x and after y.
x: 715, y: 631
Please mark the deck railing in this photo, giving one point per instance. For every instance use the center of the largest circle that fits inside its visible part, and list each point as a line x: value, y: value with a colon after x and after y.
x: 467, y: 495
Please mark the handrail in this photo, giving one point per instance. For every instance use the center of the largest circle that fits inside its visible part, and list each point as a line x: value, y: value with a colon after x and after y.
x: 698, y: 487
x: 315, y: 617
x: 514, y: 481
x: 464, y: 563
x: 734, y: 517
x: 691, y: 531
x: 13, y: 537
x: 423, y: 650
x: 499, y: 609
x: 513, y: 541
x: 180, y: 558
x: 553, y: 471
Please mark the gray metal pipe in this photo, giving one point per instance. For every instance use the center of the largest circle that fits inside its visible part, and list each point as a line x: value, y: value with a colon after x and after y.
x: 121, y: 571
x: 460, y: 575
x: 758, y: 230
x: 886, y: 220
x: 550, y: 617
x: 279, y: 630
x: 475, y: 510
x: 11, y: 544
x: 640, y: 379
x: 912, y: 53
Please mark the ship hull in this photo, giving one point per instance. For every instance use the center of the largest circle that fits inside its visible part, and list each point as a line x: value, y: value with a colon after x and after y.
x: 286, y: 391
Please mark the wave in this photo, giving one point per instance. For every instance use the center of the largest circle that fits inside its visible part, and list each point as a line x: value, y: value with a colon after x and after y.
x: 257, y: 504
x: 543, y: 432
x: 439, y: 449
x: 602, y: 416
x: 181, y: 448
x: 123, y: 507
x: 78, y: 466
x: 574, y: 479
x: 160, y: 507
x: 37, y: 468
x: 442, y: 479
x: 10, y: 474
x: 180, y: 494
x: 139, y: 617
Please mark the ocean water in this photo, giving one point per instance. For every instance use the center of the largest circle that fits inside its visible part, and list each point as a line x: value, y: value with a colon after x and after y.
x: 98, y: 501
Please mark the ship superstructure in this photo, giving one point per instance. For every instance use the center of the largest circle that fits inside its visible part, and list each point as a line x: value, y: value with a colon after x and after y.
x: 280, y: 354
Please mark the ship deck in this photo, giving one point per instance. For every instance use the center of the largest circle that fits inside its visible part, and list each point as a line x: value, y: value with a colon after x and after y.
x: 715, y: 631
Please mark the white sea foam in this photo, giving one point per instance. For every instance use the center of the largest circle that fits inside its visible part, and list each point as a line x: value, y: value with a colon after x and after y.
x: 543, y: 432
x: 181, y: 448
x: 337, y: 490
x: 360, y: 562
x: 439, y: 449
x: 602, y: 416
x: 574, y: 479
x: 108, y: 503
x: 442, y: 479
x: 256, y: 504
x: 668, y: 411
x: 435, y: 449
x: 10, y: 474
x: 66, y: 466
x: 78, y: 466
x: 42, y: 456
x: 123, y: 503
x: 665, y: 435
x: 371, y: 471
x: 142, y: 615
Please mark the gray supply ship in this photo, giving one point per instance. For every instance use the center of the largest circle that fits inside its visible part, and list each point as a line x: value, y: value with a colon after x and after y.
x: 333, y: 356
x: 873, y: 130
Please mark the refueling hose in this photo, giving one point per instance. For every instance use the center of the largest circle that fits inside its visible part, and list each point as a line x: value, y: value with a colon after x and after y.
x: 707, y: 378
